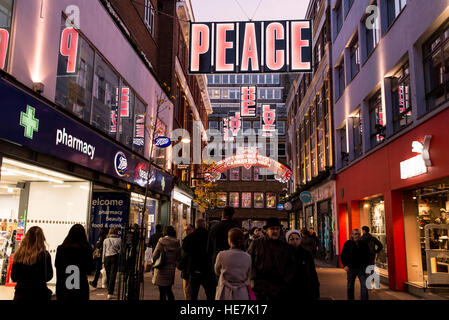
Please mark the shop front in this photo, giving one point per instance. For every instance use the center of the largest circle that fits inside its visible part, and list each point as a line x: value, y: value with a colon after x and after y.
x: 181, y: 210
x: 405, y: 205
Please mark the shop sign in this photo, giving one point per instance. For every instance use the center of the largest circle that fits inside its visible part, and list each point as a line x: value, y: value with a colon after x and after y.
x: 306, y: 197
x: 280, y: 207
x: 162, y: 142
x: 268, y: 119
x: 69, y: 48
x: 139, y: 133
x: 288, y: 206
x: 250, y: 47
x: 248, y: 101
x: 32, y: 123
x: 4, y: 41
x: 417, y: 165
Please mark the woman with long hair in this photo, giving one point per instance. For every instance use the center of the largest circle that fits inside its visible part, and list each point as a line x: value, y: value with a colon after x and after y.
x: 111, y: 253
x: 73, y: 263
x: 32, y: 268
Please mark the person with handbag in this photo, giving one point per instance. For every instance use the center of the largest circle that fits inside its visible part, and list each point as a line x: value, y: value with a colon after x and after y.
x: 166, y: 256
x: 73, y: 263
x: 111, y: 253
x: 97, y: 256
x: 233, y: 267
x: 32, y: 268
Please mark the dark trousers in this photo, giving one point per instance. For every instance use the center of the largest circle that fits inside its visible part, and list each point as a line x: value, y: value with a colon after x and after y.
x: 166, y: 293
x: 208, y: 282
x: 98, y: 267
x: 352, y: 275
x: 111, y: 266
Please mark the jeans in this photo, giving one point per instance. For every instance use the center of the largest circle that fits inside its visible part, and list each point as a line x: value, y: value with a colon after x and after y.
x: 98, y: 267
x: 111, y: 266
x: 362, y: 275
x: 166, y: 293
x: 201, y: 279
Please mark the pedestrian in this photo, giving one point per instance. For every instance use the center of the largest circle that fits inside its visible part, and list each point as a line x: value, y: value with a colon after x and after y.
x: 198, y: 265
x: 218, y: 234
x: 154, y: 238
x: 111, y: 253
x: 307, y: 242
x: 272, y: 264
x: 254, y: 234
x: 305, y: 284
x: 233, y: 267
x: 73, y: 263
x: 183, y: 263
x: 32, y: 269
x: 164, y: 276
x: 375, y: 246
x: 314, y: 236
x: 97, y: 256
x: 355, y: 258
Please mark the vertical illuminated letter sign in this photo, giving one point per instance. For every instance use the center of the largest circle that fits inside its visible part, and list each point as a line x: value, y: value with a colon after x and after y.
x: 139, y: 132
x: 69, y: 47
x: 200, y: 48
x: 276, y: 46
x: 4, y: 39
x: 235, y: 123
x: 124, y: 105
x: 226, y: 136
x: 248, y: 101
x: 300, y: 46
x: 224, y: 47
x: 268, y: 119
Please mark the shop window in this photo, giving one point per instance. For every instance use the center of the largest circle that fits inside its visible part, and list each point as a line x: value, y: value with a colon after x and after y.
x: 258, y: 200
x: 376, y: 118
x: 234, y: 200
x: 394, y: 8
x: 271, y: 200
x: 234, y: 174
x: 222, y: 199
x: 246, y: 199
x: 246, y: 174
x: 400, y: 96
x: 5, y: 31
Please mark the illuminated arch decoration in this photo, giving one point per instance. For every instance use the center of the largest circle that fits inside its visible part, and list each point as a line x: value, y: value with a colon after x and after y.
x: 248, y: 160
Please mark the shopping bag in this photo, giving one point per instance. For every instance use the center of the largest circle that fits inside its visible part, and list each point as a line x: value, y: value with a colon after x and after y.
x: 104, y: 282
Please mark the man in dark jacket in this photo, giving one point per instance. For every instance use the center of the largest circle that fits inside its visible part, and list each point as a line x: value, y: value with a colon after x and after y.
x: 155, y: 237
x: 218, y: 234
x: 375, y: 246
x: 197, y: 263
x: 272, y: 264
x: 355, y: 258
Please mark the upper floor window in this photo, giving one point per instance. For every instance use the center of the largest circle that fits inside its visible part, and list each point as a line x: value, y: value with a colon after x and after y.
x: 5, y: 30
x: 281, y: 128
x: 354, y: 57
x: 372, y: 28
x: 213, y: 125
x: 225, y: 79
x: 344, y: 155
x: 394, y: 8
x: 400, y: 96
x: 234, y: 174
x: 340, y: 78
x: 149, y: 16
x: 376, y: 120
x: 338, y: 17
x: 246, y: 174
x: 357, y: 134
x: 348, y: 5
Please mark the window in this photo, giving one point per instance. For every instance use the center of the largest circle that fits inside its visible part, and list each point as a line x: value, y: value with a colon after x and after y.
x: 225, y: 79
x: 210, y: 79
x: 224, y: 93
x: 216, y: 79
x: 257, y: 176
x: 139, y: 128
x: 262, y: 93
x: 281, y: 128
x: 376, y: 117
x: 234, y: 94
x: 371, y: 32
x: 348, y: 5
x: 234, y: 174
x: 5, y: 31
x: 216, y: 94
x: 160, y: 153
x: 354, y: 56
x: 344, y: 156
x: 246, y: 127
x: 436, y: 68
x: 149, y: 16
x: 270, y: 94
x: 234, y: 199
x: 246, y: 174
x: 357, y: 133
x: 254, y: 79
x: 239, y: 79
x: 246, y: 79
x: 400, y: 96
x: 271, y: 200
x: 213, y: 125
x: 246, y: 199
x: 258, y: 200
x: 276, y: 79
x: 261, y: 79
x: 277, y: 93
x: 281, y: 150
x: 269, y: 78
x: 222, y: 199
x: 394, y: 8
x: 340, y: 78
x: 338, y: 17
x: 256, y: 126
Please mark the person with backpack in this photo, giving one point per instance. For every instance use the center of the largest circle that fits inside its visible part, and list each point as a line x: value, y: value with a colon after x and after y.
x: 375, y: 246
x: 111, y: 253
x: 32, y: 268
x: 73, y: 263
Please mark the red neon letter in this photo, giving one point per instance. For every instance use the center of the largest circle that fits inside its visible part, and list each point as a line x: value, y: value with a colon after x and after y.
x: 72, y: 50
x: 124, y: 110
x: 297, y: 44
x: 222, y: 45
x: 248, y: 101
x: 4, y: 39
x: 275, y: 58
x: 250, y: 48
x: 199, y: 44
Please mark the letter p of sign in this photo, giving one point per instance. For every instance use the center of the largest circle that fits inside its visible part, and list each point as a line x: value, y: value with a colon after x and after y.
x: 373, y: 277
x: 73, y: 280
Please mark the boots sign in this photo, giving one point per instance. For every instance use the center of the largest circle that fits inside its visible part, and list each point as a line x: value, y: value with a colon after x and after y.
x: 250, y: 47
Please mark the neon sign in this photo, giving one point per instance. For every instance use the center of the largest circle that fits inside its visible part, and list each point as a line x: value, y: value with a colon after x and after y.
x: 235, y: 123
x: 69, y: 47
x: 248, y: 159
x: 139, y: 132
x: 250, y: 47
x: 248, y: 101
x: 417, y: 165
x: 268, y: 119
x: 124, y: 105
x: 4, y: 40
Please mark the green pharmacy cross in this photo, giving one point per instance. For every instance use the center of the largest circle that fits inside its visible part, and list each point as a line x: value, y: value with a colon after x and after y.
x: 29, y: 122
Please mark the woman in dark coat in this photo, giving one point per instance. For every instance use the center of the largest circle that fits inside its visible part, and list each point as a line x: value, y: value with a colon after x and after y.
x: 73, y: 263
x: 32, y: 269
x: 98, y: 261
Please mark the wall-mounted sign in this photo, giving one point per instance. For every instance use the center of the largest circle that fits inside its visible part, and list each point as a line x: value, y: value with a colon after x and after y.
x: 280, y: 207
x: 162, y: 142
x: 268, y: 119
x: 139, y: 131
x: 4, y: 41
x: 288, y: 206
x: 250, y: 47
x: 305, y: 197
x: 248, y: 101
x: 417, y: 165
x: 69, y: 48
x: 235, y: 123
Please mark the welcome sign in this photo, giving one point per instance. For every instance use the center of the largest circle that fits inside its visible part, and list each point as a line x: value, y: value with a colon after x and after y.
x: 250, y: 47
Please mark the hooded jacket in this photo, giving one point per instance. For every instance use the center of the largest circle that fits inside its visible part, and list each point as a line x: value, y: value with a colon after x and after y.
x: 165, y: 276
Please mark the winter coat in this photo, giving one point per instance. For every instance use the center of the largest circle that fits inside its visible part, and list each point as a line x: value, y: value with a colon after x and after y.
x: 356, y: 255
x: 218, y: 238
x: 234, y: 267
x: 154, y: 238
x: 112, y: 246
x: 165, y: 276
x: 32, y: 280
x: 73, y: 256
x: 305, y: 284
x: 272, y: 268
x: 375, y: 246
x: 195, y: 249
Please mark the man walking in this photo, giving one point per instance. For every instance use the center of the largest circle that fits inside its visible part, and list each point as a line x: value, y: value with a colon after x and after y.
x: 355, y: 258
x: 375, y: 246
x: 272, y: 264
x: 198, y: 268
x: 183, y: 264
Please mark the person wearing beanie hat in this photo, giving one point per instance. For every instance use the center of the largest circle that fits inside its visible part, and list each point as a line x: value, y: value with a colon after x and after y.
x: 289, y: 233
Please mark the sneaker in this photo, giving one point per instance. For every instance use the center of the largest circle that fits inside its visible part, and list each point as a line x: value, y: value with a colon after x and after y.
x: 111, y: 296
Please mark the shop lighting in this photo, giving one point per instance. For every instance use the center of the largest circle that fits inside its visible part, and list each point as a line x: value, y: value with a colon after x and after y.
x: 41, y: 170
x: 84, y: 187
x: 62, y: 186
x: 185, y: 140
x: 32, y: 175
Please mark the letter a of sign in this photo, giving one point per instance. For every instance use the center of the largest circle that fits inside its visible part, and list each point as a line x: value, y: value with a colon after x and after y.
x: 4, y: 39
x: 248, y: 102
x: 69, y: 47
